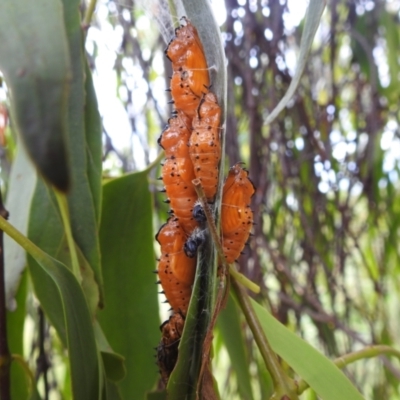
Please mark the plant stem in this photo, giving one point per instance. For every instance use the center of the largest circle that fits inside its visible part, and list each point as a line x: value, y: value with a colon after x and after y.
x: 5, y: 357
x: 367, y: 352
x: 42, y: 362
x: 156, y: 162
x: 89, y: 13
x: 63, y: 205
x: 37, y: 253
x: 246, y: 282
x: 284, y: 386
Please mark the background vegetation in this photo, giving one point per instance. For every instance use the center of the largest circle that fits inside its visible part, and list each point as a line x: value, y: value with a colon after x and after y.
x: 327, y: 209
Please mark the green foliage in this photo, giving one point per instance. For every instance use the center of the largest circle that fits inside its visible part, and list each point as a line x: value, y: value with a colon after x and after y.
x: 36, y: 63
x: 320, y: 373
x: 229, y: 325
x: 15, y: 329
x: 130, y: 318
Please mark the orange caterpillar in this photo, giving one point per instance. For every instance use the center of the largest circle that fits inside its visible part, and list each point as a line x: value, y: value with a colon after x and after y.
x: 175, y: 137
x: 190, y: 71
x: 178, y: 172
x: 167, y: 350
x: 205, y: 145
x: 175, y: 269
x: 236, y: 214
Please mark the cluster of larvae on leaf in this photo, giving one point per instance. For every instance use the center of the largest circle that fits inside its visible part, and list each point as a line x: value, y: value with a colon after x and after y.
x: 192, y: 146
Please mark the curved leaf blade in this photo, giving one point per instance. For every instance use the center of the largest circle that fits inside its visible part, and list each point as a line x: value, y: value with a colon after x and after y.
x: 94, y: 147
x: 313, y: 16
x: 130, y: 318
x: 114, y: 364
x: 76, y: 320
x: 85, y: 147
x: 35, y: 61
x: 83, y: 357
x: 317, y: 370
x: 231, y: 331
x: 15, y: 329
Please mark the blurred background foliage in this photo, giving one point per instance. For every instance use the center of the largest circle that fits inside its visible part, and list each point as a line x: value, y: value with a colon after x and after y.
x: 327, y: 207
x: 325, y: 248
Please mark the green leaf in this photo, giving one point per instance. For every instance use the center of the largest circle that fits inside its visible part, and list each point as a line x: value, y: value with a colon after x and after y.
x: 15, y: 330
x: 114, y: 364
x: 313, y: 16
x: 111, y: 391
x: 85, y: 147
x: 19, y: 197
x: 94, y: 147
x: 67, y: 294
x: 35, y: 61
x: 160, y: 395
x: 78, y: 327
x: 318, y: 371
x: 231, y: 330
x: 130, y: 319
x: 46, y: 230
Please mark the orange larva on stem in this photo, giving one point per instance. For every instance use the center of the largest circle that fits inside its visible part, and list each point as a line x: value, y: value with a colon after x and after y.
x: 175, y: 270
x: 236, y: 214
x: 190, y: 77
x: 178, y: 172
x: 205, y: 144
x: 177, y: 175
x: 175, y: 137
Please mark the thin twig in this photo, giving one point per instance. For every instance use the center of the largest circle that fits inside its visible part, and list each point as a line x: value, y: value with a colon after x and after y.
x: 63, y: 205
x: 283, y: 385
x: 89, y: 13
x: 42, y: 362
x: 156, y: 162
x: 5, y: 357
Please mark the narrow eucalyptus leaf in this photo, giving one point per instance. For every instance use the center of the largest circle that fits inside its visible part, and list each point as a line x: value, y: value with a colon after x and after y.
x: 317, y: 370
x: 130, y: 318
x: 34, y: 59
x: 313, y: 17
x: 78, y: 327
x: 85, y: 146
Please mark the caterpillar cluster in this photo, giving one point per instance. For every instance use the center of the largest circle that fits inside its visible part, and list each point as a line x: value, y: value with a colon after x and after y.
x: 192, y: 150
x: 191, y: 142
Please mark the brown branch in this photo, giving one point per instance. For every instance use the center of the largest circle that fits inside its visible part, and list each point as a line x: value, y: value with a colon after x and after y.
x: 42, y: 362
